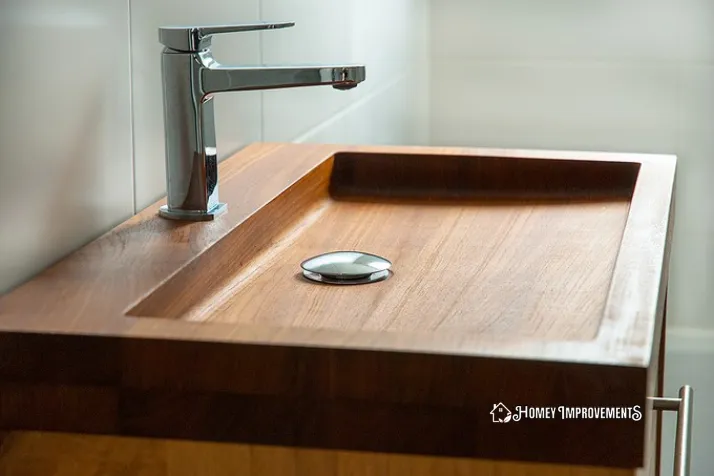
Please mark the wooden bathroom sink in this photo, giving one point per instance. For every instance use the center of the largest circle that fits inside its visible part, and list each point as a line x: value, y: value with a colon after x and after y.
x: 528, y: 278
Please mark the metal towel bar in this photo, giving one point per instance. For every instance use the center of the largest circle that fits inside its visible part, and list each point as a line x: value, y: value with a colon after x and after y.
x: 683, y: 440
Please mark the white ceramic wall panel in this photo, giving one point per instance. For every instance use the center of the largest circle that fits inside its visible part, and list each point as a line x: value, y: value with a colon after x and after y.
x: 581, y: 30
x: 65, y: 154
x: 391, y: 39
x: 394, y: 44
x: 238, y: 115
x: 555, y: 104
x: 383, y: 35
x: 321, y: 35
x: 692, y: 268
x: 386, y: 116
x: 607, y: 75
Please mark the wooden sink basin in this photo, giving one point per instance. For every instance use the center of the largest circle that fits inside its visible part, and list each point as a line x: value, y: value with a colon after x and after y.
x: 528, y: 278
x: 504, y: 248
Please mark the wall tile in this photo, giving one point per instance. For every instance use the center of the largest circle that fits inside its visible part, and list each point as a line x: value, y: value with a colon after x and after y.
x: 692, y: 262
x: 696, y: 35
x: 390, y: 38
x: 321, y: 35
x: 393, y: 43
x: 66, y: 168
x: 381, y: 119
x: 605, y: 30
x: 238, y: 115
x: 555, y: 104
x: 697, y: 99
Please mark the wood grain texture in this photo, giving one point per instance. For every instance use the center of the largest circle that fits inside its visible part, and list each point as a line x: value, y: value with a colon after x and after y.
x: 420, y: 385
x: 46, y: 454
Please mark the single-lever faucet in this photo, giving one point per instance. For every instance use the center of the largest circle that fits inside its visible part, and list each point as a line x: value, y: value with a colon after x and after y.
x: 191, y: 76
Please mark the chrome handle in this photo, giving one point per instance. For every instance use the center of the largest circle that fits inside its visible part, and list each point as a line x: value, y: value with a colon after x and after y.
x: 192, y: 39
x: 683, y: 438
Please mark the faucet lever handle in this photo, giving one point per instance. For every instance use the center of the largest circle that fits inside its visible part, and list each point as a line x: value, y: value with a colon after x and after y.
x: 192, y: 39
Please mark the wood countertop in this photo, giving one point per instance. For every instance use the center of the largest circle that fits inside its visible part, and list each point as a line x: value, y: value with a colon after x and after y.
x: 554, y: 296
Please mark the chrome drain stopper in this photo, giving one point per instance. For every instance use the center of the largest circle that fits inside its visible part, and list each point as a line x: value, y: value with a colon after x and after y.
x: 346, y: 267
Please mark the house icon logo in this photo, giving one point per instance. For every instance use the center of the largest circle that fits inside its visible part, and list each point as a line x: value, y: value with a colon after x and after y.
x: 500, y: 413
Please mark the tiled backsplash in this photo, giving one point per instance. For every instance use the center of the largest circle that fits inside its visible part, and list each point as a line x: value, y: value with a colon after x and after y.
x: 82, y: 139
x: 65, y: 129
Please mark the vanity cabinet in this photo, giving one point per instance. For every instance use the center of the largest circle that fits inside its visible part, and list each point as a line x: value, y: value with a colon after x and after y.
x: 520, y: 332
x: 63, y: 454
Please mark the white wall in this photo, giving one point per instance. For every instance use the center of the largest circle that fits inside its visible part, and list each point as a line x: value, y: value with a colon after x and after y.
x: 609, y: 75
x: 81, y: 127
x: 65, y: 128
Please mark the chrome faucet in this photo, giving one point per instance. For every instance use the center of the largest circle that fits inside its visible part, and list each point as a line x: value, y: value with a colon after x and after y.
x: 191, y: 76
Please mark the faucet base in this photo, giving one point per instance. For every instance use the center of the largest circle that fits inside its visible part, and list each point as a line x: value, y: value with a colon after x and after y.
x: 192, y: 215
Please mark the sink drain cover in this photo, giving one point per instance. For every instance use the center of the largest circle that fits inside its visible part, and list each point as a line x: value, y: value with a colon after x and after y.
x: 346, y: 267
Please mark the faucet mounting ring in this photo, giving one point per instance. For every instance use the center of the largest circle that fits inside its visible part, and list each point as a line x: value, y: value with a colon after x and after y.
x: 192, y: 215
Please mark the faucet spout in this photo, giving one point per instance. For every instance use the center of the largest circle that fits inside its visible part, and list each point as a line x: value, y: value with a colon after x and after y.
x: 218, y: 78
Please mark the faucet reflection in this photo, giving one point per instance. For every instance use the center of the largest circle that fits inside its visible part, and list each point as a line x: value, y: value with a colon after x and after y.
x: 191, y: 75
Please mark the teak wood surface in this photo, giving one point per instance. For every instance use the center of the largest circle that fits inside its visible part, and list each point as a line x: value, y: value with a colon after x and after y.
x: 525, y: 277
x: 58, y: 454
